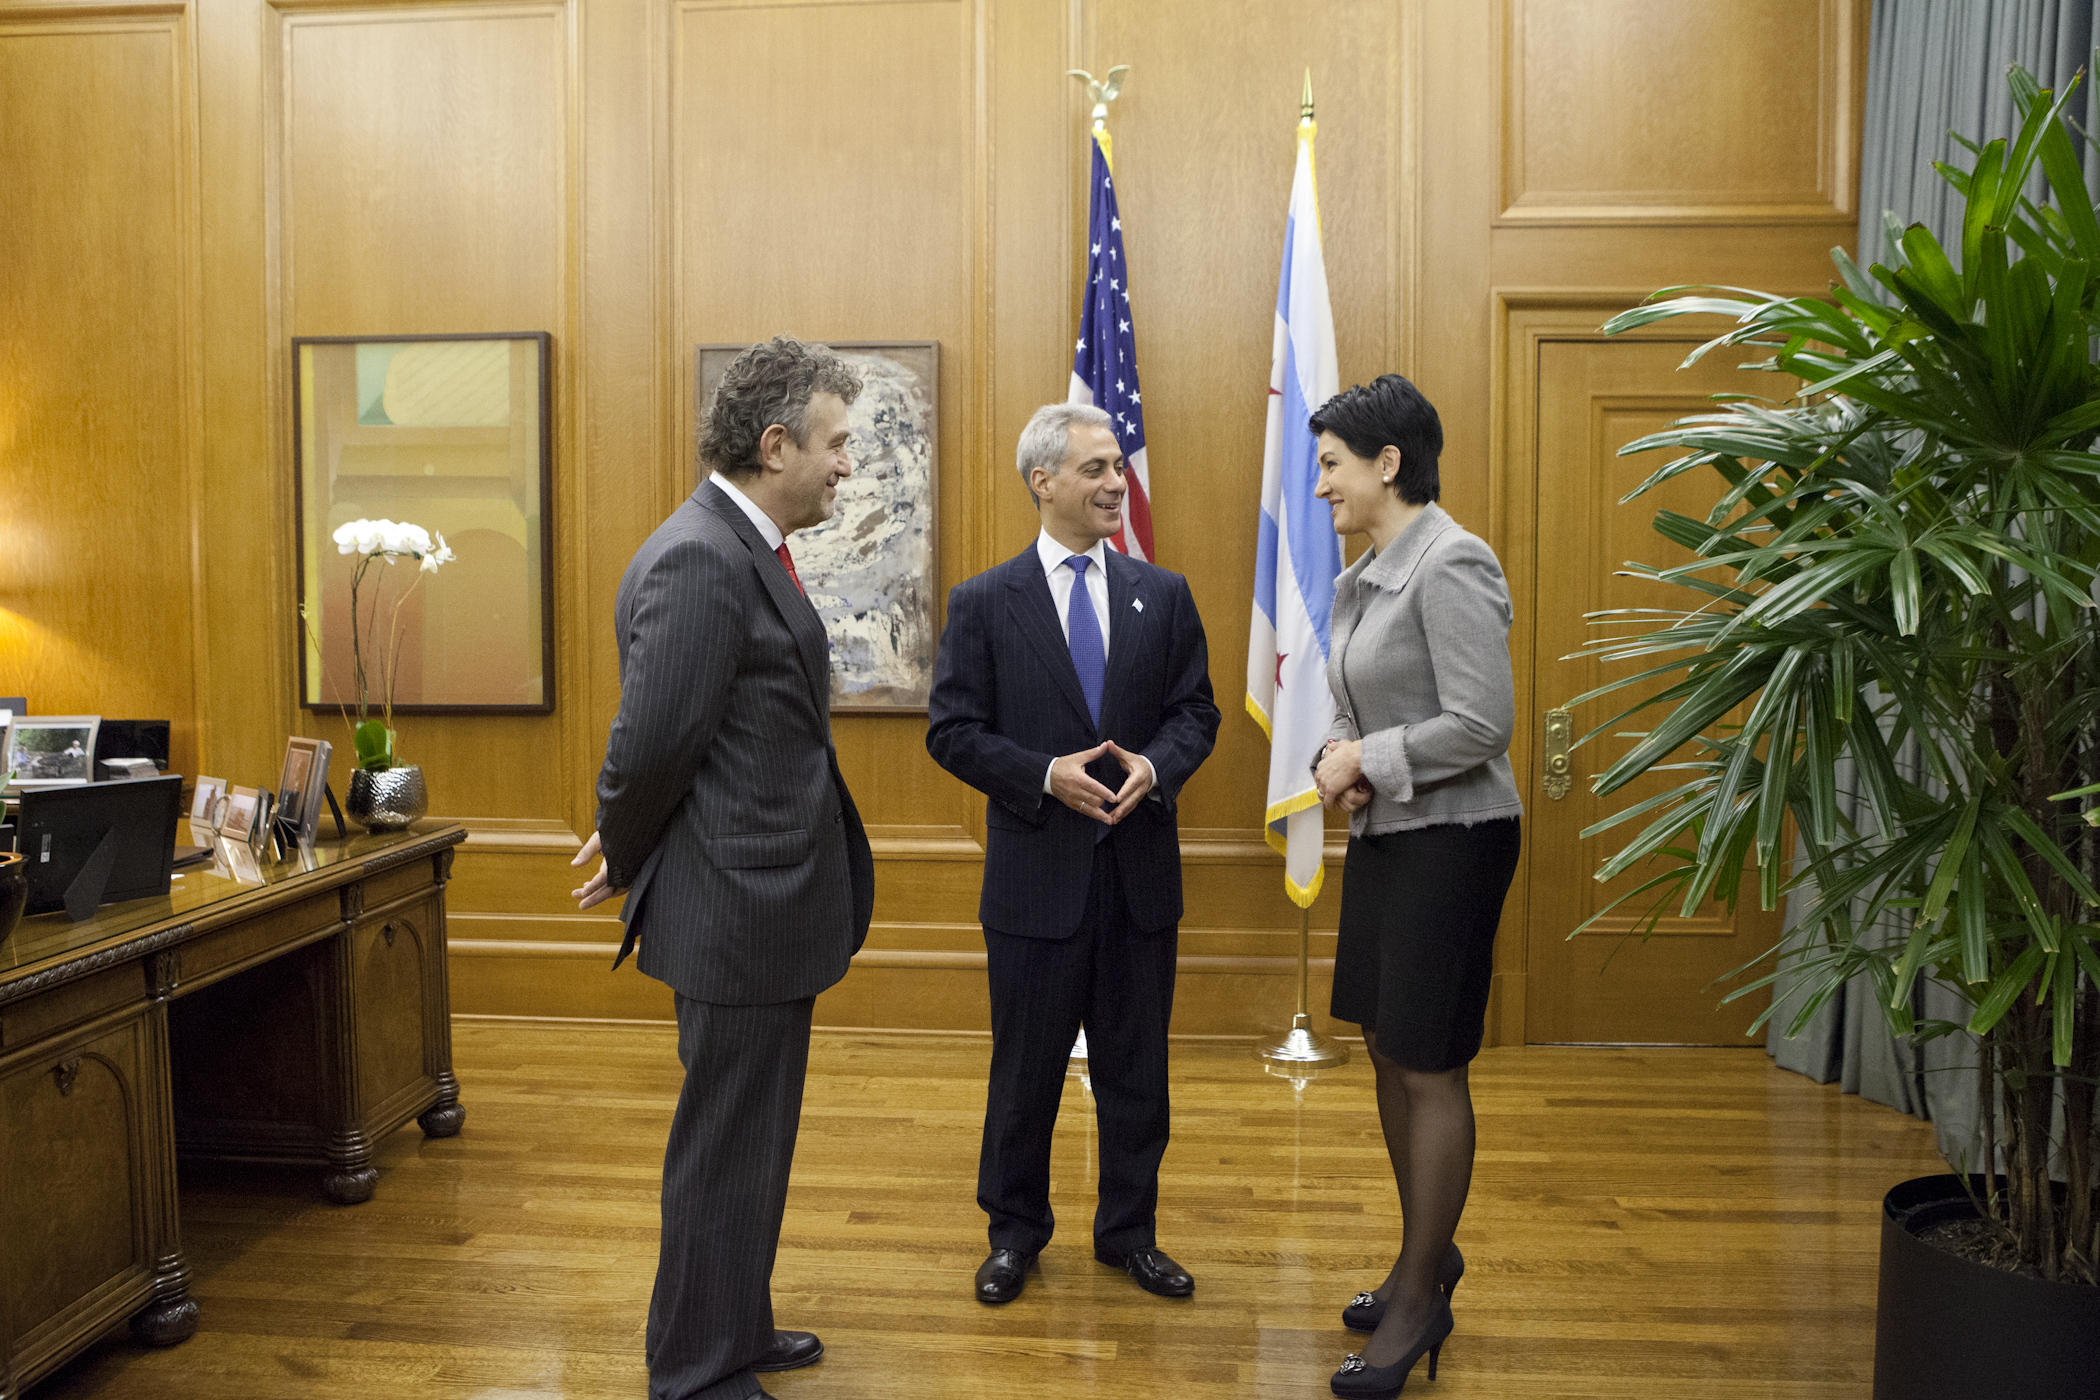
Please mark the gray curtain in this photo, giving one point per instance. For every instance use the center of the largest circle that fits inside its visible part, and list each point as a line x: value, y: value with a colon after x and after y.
x: 1933, y: 66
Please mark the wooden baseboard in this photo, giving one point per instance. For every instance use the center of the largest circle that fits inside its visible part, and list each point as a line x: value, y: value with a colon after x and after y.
x: 902, y: 989
x: 462, y: 1018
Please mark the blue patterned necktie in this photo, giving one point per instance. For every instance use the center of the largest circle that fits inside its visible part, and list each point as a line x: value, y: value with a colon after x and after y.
x: 1083, y: 636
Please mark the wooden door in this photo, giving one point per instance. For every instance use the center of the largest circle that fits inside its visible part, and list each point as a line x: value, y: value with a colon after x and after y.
x: 1606, y: 986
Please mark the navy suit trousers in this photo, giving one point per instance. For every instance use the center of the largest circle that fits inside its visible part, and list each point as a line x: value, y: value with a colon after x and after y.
x: 1118, y: 982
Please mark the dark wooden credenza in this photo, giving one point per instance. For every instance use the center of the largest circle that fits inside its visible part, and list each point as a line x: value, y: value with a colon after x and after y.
x: 299, y: 1020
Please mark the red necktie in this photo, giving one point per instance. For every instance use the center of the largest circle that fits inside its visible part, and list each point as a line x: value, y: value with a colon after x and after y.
x: 787, y: 561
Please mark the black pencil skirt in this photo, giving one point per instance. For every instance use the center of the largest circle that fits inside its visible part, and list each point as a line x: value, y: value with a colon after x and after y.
x: 1417, y: 942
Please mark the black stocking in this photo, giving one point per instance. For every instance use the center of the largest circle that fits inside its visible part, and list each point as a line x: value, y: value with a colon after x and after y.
x: 1392, y: 1117
x: 1432, y: 1151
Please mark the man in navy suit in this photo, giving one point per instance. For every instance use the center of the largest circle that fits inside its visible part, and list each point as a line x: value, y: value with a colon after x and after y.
x: 1073, y: 690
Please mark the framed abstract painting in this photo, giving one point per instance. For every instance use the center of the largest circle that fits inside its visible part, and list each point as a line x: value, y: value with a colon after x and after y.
x: 873, y: 568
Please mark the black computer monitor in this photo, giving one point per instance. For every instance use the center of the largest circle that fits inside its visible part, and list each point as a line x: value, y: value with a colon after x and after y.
x: 99, y: 843
x: 131, y: 738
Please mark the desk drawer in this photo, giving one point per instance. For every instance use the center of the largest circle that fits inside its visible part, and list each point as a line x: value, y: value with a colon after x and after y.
x: 70, y: 1004
x: 401, y: 881
x: 210, y: 956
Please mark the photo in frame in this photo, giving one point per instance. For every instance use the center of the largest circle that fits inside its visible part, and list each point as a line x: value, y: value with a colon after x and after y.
x: 301, y: 786
x: 204, y: 802
x: 52, y: 750
x: 872, y: 570
x: 239, y: 821
x: 451, y: 433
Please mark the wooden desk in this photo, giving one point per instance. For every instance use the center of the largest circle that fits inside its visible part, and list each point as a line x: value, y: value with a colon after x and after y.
x: 294, y: 1020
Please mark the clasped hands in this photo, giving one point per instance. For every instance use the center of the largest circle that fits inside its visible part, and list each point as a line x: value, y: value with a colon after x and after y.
x: 1340, y: 776
x: 1071, y: 785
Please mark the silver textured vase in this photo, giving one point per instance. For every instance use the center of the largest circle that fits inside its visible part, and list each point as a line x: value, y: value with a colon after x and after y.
x: 388, y: 800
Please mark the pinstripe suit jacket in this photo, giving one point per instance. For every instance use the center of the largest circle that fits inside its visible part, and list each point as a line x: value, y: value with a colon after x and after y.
x: 721, y: 810
x: 1006, y: 700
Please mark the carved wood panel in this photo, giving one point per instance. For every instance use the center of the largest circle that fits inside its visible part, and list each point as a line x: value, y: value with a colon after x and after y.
x: 77, y: 1165
x: 390, y: 954
x: 1680, y: 111
x: 97, y: 366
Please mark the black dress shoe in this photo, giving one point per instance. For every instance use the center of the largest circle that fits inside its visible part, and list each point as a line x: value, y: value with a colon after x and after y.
x: 1002, y: 1275
x: 789, y: 1350
x: 1153, y: 1270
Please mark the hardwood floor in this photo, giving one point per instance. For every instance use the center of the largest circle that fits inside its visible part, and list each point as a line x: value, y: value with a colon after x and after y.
x: 1644, y: 1223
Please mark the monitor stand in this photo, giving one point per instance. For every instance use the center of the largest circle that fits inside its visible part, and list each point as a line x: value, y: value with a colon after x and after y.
x: 84, y: 895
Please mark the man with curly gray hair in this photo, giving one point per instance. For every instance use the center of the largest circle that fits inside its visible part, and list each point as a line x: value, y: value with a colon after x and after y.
x: 723, y: 816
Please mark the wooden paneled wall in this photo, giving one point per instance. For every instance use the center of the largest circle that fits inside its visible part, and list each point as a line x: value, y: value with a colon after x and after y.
x: 193, y: 183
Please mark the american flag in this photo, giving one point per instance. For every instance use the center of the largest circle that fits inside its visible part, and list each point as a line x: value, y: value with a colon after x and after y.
x: 1104, y: 369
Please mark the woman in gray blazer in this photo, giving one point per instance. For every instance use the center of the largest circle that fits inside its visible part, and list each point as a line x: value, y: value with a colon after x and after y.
x: 1419, y: 757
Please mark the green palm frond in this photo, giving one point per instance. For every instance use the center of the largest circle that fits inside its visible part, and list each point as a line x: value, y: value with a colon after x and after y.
x: 1901, y: 551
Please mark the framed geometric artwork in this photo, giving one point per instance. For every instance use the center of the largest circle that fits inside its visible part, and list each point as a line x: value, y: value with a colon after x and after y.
x: 872, y: 570
x: 451, y: 433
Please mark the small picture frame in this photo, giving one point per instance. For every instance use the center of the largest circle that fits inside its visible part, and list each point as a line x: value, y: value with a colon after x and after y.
x: 52, y: 750
x: 238, y: 821
x: 204, y: 802
x: 7, y: 745
x: 265, y: 822
x: 297, y: 791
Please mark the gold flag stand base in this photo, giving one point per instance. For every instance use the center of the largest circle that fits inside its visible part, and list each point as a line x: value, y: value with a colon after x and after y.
x: 1301, y: 1048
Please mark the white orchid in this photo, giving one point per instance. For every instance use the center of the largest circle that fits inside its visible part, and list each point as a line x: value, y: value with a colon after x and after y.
x: 434, y: 557
x: 389, y: 540
x: 382, y: 541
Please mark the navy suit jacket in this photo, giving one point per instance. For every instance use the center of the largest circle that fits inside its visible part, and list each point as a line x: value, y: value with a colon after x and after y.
x: 1006, y: 700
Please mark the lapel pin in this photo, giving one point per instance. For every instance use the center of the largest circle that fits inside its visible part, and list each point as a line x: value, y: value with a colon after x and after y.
x: 1138, y: 603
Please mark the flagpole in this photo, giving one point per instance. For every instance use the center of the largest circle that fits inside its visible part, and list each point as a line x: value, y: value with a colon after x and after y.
x: 1102, y: 91
x: 1301, y: 1048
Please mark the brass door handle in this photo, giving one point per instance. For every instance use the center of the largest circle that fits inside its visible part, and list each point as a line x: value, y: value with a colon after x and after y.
x: 1560, y: 735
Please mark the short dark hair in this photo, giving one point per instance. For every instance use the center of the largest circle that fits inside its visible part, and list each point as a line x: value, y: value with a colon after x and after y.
x: 1389, y: 412
x: 770, y: 383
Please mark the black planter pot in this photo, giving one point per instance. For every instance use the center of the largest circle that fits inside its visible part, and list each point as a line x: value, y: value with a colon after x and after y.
x: 1948, y: 1328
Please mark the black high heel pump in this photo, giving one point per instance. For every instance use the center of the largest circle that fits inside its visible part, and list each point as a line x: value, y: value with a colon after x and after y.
x: 1360, y: 1380
x: 1367, y: 1310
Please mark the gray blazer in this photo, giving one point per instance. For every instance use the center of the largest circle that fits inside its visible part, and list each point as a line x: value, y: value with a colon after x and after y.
x: 1419, y: 665
x: 721, y: 810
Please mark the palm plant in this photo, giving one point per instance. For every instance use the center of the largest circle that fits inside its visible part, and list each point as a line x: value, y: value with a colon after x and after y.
x: 1904, y: 551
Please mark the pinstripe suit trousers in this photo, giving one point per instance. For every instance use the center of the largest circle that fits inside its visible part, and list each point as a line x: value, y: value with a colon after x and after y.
x: 725, y: 1189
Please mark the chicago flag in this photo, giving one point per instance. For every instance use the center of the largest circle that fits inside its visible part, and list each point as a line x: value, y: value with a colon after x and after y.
x: 1296, y: 555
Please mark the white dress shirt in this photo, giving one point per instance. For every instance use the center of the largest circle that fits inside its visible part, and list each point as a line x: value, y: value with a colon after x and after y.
x: 763, y: 521
x: 1061, y: 580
